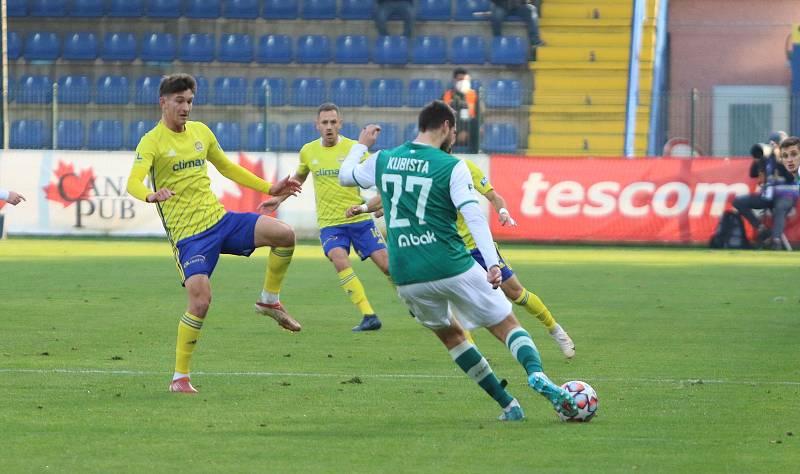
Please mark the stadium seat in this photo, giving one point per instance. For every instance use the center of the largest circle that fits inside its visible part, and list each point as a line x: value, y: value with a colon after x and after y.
x: 385, y: 93
x: 411, y: 131
x: 14, y: 45
x: 112, y: 90
x: 468, y: 50
x: 48, y: 8
x: 235, y: 49
x: 119, y: 47
x: 274, y: 49
x: 257, y: 137
x: 42, y: 46
x: 500, y: 138
x: 203, y: 90
x: 280, y: 9
x: 298, y: 134
x: 388, y: 138
x: 34, y: 89
x: 17, y: 8
x: 147, y: 90
x: 158, y: 47
x: 504, y: 93
x: 429, y: 50
x: 126, y: 8
x: 356, y: 9
x: 466, y: 8
x: 105, y: 135
x: 277, y: 91
x: 164, y: 8
x: 203, y: 9
x: 136, y: 131
x: 244, y: 9
x: 74, y: 90
x: 422, y: 91
x: 352, y: 49
x: 347, y: 92
x: 70, y: 135
x: 313, y: 49
x: 509, y: 50
x: 319, y: 9
x: 229, y: 135
x: 308, y: 92
x: 80, y: 47
x: 28, y: 134
x: 391, y: 50
x: 350, y: 130
x: 230, y: 91
x: 87, y: 8
x: 197, y: 47
x: 434, y: 10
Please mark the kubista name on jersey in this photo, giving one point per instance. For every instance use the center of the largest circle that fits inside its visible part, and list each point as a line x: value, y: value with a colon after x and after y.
x: 399, y: 163
x: 413, y: 240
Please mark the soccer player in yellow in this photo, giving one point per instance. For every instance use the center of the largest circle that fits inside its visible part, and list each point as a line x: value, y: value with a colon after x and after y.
x: 175, y: 154
x: 323, y: 157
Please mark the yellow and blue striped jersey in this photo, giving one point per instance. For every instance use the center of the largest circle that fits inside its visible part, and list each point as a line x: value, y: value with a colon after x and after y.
x: 483, y: 186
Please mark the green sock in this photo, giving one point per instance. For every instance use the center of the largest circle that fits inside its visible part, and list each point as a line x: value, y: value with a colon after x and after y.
x: 473, y: 364
x: 524, y: 350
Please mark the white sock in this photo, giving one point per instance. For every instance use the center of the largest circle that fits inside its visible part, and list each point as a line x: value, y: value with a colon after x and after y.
x: 514, y: 403
x: 178, y: 375
x: 269, y: 298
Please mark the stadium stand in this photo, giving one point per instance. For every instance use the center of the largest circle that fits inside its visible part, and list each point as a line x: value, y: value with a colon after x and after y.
x: 429, y: 50
x: 164, y: 8
x: 433, y: 10
x: 347, y: 92
x: 391, y: 50
x: 465, y: 9
x: 29, y: 134
x: 356, y: 9
x: 17, y: 8
x: 42, y: 46
x: 34, y: 89
x: 350, y: 130
x: 147, y: 90
x: 235, y: 48
x: 44, y: 8
x: 410, y: 131
x: 14, y: 45
x: 80, y: 47
x: 159, y: 47
x: 230, y: 91
x: 277, y: 91
x: 319, y: 9
x: 209, y: 9
x: 352, y: 49
x: 509, y: 50
x: 241, y: 9
x: 136, y: 131
x: 119, y: 47
x: 308, y: 92
x: 229, y: 135
x: 105, y: 135
x: 385, y: 93
x: 197, y: 47
x: 257, y: 137
x: 70, y: 134
x: 74, y: 90
x: 500, y: 138
x: 298, y: 134
x: 274, y: 49
x: 203, y: 90
x: 422, y: 91
x: 87, y: 8
x: 126, y: 8
x: 112, y: 89
x: 468, y: 50
x: 388, y: 138
x: 280, y: 9
x: 504, y: 93
x: 313, y: 49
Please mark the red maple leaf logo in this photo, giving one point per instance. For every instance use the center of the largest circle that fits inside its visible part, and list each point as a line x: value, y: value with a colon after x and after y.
x: 248, y: 199
x: 69, y: 187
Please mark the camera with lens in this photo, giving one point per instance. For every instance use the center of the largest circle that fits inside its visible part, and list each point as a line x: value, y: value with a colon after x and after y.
x: 760, y: 151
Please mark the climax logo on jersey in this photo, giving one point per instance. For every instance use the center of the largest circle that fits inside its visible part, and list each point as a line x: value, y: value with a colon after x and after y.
x: 182, y: 165
x: 412, y: 240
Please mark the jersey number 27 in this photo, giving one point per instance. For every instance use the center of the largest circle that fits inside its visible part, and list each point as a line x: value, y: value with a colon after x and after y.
x: 399, y: 188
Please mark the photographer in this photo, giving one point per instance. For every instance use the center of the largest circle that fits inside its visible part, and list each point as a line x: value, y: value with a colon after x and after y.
x: 779, y: 188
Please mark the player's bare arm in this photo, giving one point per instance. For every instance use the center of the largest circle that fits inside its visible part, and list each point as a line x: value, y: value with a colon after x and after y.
x: 373, y: 205
x: 274, y: 202
x: 369, y: 135
x: 499, y: 205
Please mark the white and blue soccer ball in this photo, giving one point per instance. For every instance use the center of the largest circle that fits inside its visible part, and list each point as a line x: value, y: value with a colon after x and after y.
x: 585, y: 398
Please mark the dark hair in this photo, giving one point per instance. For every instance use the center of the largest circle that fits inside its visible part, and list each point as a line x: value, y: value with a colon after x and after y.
x: 177, y: 83
x: 434, y: 116
x: 326, y: 107
x: 459, y: 71
x: 791, y: 141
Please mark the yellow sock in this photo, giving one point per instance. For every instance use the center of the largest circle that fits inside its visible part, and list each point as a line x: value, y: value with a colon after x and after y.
x: 355, y: 290
x: 277, y: 265
x: 534, y: 305
x: 188, y: 333
x: 468, y: 335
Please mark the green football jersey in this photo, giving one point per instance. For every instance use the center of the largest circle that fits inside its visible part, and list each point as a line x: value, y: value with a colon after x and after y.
x: 414, y: 181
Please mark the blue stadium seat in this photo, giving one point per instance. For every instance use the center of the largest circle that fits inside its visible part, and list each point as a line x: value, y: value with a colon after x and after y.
x: 203, y: 91
x: 245, y: 9
x: 319, y: 9
x: 504, y: 93
x: 42, y: 46
x: 280, y: 9
x: 275, y: 49
x: 112, y: 90
x: 277, y: 91
x: 235, y: 48
x: 391, y: 50
x: 434, y: 10
x: 164, y: 8
x: 347, y: 92
x: 229, y: 135
x: 87, y: 8
x: 466, y: 8
x: 80, y: 47
x: 147, y: 90
x: 509, y: 50
x: 350, y: 130
x: 119, y: 47
x: 14, y: 45
x: 230, y: 91
x: 422, y: 91
x: 17, y: 8
x: 126, y: 8
x: 388, y: 138
x: 28, y: 134
x: 356, y: 9
x: 136, y: 131
x: 313, y: 49
x: 468, y: 50
x: 202, y: 9
x: 308, y: 92
x: 105, y: 135
x: 352, y: 49
x: 70, y: 135
x: 197, y: 47
x: 158, y: 47
x: 411, y: 131
x: 298, y: 134
x: 48, y: 8
x: 74, y: 90
x: 500, y: 138
x: 257, y: 137
x: 385, y: 93
x: 429, y: 50
x: 35, y: 89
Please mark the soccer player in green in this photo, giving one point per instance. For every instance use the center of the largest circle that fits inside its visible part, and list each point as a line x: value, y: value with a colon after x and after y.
x: 423, y: 188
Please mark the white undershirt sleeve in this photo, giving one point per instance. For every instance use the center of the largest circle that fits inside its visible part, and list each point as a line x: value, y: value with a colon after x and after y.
x: 353, y: 173
x: 462, y: 193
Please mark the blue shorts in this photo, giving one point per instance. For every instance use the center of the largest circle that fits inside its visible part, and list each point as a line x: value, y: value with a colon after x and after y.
x: 234, y: 234
x: 364, y: 237
x: 505, y: 269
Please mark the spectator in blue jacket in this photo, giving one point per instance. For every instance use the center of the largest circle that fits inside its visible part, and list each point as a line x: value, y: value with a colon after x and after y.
x: 385, y: 9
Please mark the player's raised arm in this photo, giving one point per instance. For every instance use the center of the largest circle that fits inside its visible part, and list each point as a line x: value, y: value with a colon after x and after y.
x: 284, y: 187
x: 353, y: 173
x: 499, y: 205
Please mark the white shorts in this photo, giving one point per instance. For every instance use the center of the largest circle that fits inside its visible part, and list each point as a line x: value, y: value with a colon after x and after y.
x: 472, y: 298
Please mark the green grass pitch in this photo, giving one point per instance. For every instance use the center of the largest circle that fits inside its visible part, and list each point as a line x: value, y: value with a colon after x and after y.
x: 693, y: 353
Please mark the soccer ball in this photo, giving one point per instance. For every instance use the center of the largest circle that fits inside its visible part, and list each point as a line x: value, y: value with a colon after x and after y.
x: 586, y: 399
